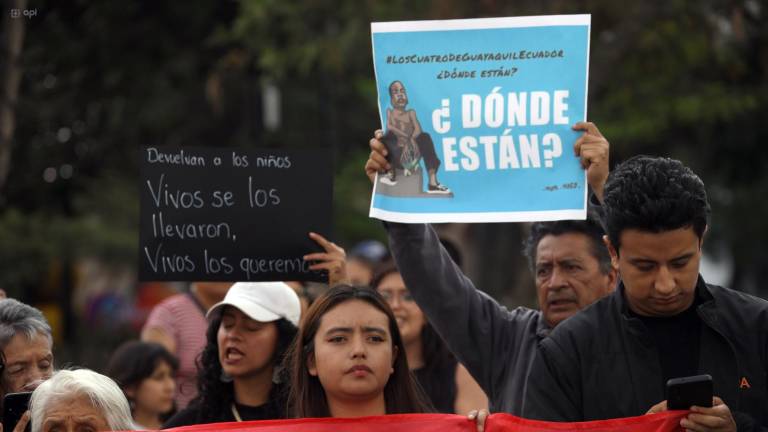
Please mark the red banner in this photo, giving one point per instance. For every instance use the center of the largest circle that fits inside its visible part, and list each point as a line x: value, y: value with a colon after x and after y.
x: 663, y: 422
x: 668, y: 421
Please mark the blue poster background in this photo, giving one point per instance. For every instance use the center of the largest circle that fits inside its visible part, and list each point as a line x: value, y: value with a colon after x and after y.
x: 508, y: 190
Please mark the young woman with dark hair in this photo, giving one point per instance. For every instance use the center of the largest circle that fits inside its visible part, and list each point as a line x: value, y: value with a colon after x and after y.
x: 348, y: 359
x: 240, y: 373
x: 145, y: 372
x: 445, y: 381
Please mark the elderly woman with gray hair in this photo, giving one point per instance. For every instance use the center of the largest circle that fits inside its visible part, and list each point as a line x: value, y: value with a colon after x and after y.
x: 26, y: 356
x: 77, y: 401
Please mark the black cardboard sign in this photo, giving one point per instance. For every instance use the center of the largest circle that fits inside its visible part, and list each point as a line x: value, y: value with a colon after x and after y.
x: 223, y: 214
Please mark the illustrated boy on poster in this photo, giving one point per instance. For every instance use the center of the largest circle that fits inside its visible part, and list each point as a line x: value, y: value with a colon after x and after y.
x: 407, y: 143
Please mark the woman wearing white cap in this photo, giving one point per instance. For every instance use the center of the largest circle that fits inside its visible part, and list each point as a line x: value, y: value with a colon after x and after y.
x: 240, y: 373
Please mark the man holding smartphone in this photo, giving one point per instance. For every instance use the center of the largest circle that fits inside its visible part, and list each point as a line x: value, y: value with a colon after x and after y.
x: 663, y: 321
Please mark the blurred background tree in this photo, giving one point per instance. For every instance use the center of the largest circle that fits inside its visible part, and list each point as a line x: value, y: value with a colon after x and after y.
x: 100, y: 79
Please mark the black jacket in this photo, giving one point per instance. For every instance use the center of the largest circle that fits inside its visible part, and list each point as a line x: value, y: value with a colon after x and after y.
x: 602, y: 363
x: 496, y: 345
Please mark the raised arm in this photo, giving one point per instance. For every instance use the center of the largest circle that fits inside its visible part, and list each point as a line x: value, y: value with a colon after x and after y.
x: 333, y: 260
x: 593, y: 150
x: 483, y: 335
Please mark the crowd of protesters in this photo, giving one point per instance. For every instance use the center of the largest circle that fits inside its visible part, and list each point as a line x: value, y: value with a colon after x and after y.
x: 622, y: 309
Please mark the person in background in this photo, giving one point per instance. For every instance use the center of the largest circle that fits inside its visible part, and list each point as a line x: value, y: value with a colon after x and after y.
x: 362, y: 259
x: 145, y: 371
x: 348, y: 359
x: 447, y: 383
x: 178, y: 324
x: 26, y: 346
x: 301, y: 290
x: 80, y: 401
x: 240, y: 373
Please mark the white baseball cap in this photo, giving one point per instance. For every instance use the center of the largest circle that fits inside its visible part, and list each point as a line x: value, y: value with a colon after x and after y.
x: 262, y: 301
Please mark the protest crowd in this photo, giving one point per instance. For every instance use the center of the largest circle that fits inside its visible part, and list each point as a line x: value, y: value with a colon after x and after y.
x: 628, y: 335
x: 622, y: 309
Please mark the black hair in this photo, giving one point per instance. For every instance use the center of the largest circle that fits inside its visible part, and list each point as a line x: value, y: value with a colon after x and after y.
x: 304, y: 292
x: 135, y: 361
x: 392, y: 84
x: 589, y: 228
x: 215, y: 395
x: 654, y: 194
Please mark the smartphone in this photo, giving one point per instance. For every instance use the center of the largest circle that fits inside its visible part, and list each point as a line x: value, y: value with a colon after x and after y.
x: 14, y: 406
x: 683, y: 393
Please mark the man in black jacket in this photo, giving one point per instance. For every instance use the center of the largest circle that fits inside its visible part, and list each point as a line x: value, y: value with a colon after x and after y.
x: 613, y: 359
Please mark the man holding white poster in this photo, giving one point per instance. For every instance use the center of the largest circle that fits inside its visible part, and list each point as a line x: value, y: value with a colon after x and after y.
x: 497, y: 345
x: 502, y: 113
x: 489, y: 110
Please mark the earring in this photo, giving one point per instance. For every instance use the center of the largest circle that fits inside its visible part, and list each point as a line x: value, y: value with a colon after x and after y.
x: 225, y: 378
x: 277, y: 374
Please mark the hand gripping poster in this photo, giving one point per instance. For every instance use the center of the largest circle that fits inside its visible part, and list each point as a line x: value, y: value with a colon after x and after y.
x: 476, y: 117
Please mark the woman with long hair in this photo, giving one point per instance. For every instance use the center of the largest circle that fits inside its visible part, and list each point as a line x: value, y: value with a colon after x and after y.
x: 449, y: 386
x: 145, y: 372
x: 348, y: 359
x: 240, y: 372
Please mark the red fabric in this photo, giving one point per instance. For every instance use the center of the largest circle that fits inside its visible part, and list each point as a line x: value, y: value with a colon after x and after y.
x: 390, y: 423
x: 663, y: 422
x: 668, y: 421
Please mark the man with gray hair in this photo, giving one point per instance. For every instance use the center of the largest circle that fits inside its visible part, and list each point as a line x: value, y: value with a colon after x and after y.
x: 26, y: 356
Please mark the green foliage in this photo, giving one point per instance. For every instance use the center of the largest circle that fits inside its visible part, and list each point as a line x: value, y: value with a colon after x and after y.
x: 690, y: 80
x: 26, y: 247
x: 677, y: 78
x: 352, y: 202
x: 107, y: 229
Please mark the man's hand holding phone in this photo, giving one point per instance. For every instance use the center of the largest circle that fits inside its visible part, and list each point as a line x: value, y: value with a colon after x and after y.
x: 718, y: 417
x: 707, y: 412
